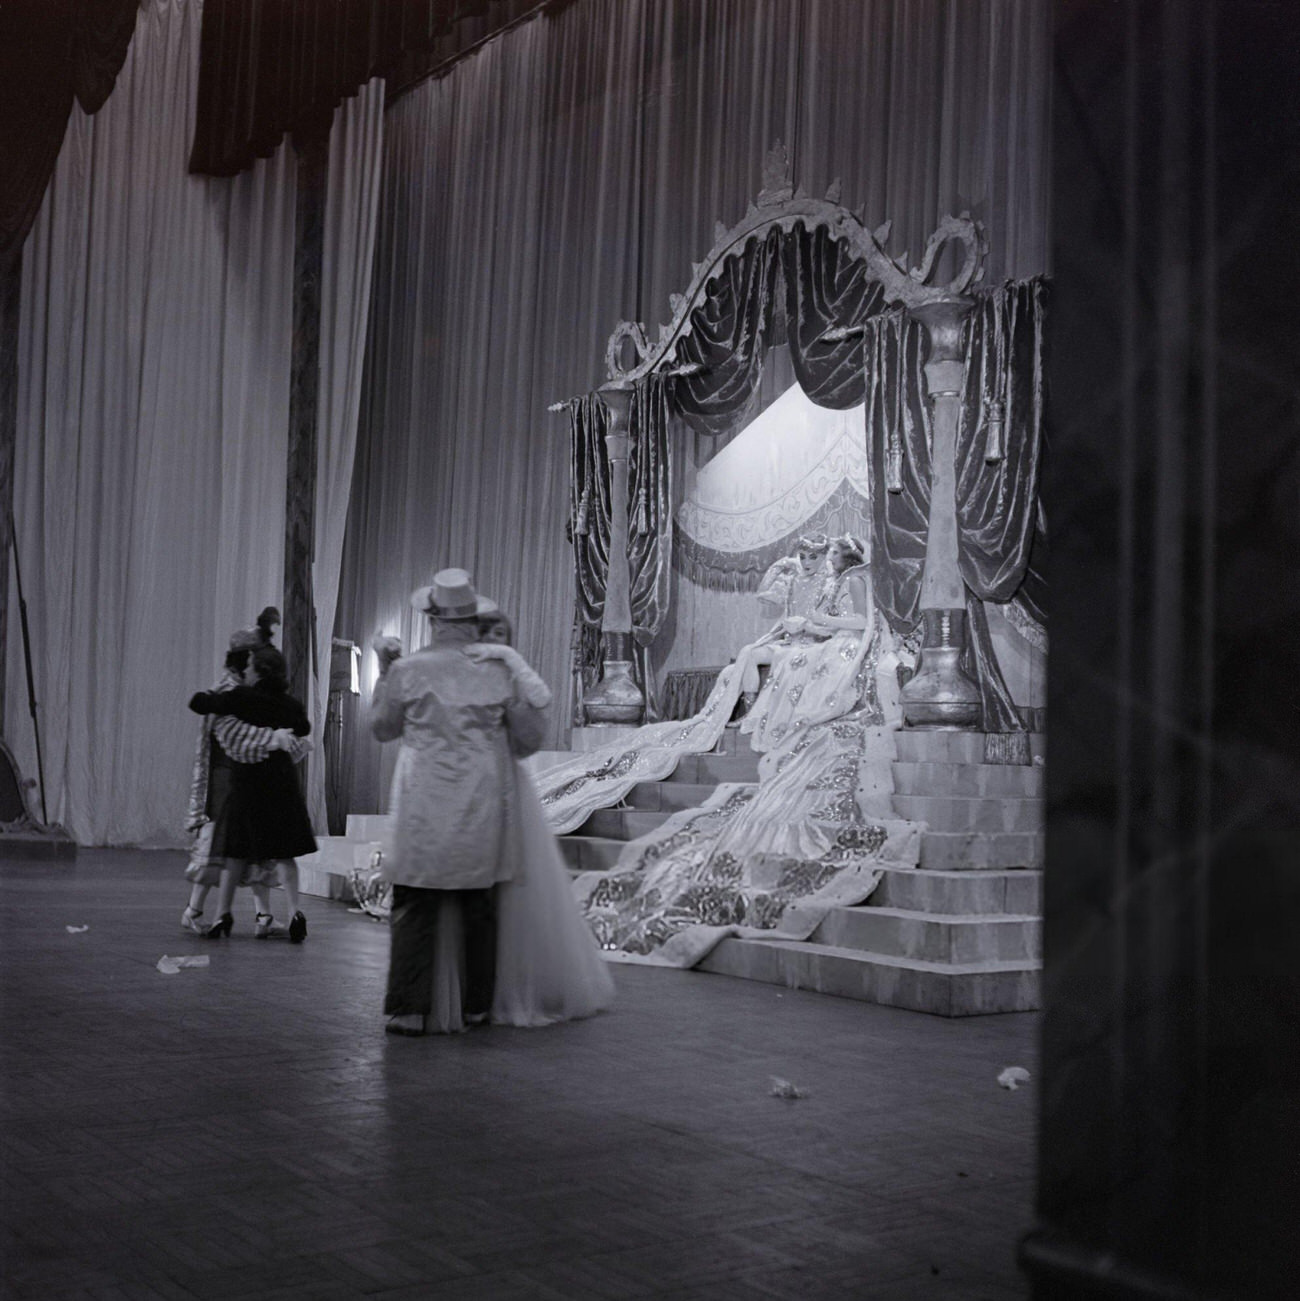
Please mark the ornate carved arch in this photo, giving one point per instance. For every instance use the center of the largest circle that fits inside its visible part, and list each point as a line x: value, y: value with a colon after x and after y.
x: 780, y: 206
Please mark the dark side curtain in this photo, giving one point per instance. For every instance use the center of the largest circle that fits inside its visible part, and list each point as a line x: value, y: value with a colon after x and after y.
x: 1001, y: 529
x: 51, y: 52
x: 790, y: 286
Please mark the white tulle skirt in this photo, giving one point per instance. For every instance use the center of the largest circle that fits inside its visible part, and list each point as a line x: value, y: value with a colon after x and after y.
x: 549, y: 967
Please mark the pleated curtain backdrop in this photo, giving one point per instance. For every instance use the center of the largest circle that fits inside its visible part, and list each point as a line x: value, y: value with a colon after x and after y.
x: 351, y: 204
x: 149, y: 469
x: 566, y: 176
x: 154, y: 364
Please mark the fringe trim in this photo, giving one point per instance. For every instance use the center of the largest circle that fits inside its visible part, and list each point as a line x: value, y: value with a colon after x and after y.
x: 845, y: 511
x: 1007, y: 748
x: 1025, y: 624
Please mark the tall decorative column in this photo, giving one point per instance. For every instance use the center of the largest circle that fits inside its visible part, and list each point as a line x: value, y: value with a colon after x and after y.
x: 616, y: 698
x: 940, y: 695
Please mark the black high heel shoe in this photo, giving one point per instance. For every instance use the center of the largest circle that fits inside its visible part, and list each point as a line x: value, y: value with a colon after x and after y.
x: 219, y: 927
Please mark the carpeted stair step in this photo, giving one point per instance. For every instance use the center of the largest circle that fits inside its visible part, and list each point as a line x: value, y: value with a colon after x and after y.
x: 966, y: 851
x: 670, y: 797
x: 917, y: 746
x: 710, y: 769
x: 943, y: 989
x: 622, y: 824
x: 991, y: 814
x: 590, y: 853
x: 949, y: 938
x: 974, y: 780
x: 1011, y: 890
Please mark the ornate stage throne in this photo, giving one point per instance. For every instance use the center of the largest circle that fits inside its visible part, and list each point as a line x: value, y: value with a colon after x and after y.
x: 942, y: 384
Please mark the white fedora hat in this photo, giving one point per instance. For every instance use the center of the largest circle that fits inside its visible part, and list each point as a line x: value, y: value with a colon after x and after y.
x: 451, y: 595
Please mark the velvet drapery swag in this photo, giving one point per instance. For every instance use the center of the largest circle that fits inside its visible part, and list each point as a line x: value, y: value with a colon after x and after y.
x: 789, y: 287
x: 1001, y: 528
x: 650, y: 525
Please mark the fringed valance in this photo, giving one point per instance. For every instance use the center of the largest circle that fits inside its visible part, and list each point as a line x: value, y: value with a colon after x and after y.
x: 847, y: 510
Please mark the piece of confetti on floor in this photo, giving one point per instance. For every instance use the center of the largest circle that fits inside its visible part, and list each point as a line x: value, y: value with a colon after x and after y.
x: 171, y: 966
x: 784, y: 1089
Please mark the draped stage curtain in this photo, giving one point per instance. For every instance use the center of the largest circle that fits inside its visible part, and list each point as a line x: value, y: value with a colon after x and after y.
x: 565, y: 176
x: 650, y: 527
x: 1002, y: 540
x: 789, y: 287
x: 153, y: 406
x: 150, y: 465
x: 351, y: 207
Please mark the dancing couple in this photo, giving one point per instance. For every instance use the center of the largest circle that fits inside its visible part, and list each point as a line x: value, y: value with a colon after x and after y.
x: 246, y: 808
x: 484, y: 926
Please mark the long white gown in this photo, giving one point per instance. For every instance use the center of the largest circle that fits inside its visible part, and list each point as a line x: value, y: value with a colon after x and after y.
x: 769, y: 861
x: 549, y: 966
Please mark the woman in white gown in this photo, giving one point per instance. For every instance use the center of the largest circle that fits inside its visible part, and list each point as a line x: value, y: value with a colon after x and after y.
x: 549, y: 967
x: 598, y: 779
x: 818, y: 679
x: 818, y: 830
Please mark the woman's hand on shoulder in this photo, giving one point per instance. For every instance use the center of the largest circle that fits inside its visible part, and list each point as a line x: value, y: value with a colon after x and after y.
x: 480, y: 651
x: 388, y: 649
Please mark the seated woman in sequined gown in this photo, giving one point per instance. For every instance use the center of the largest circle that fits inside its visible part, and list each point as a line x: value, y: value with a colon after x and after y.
x: 816, y: 832
x: 598, y: 779
x: 797, y: 587
x: 816, y: 677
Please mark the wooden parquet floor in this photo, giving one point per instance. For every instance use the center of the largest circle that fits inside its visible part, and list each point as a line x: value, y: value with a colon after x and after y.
x: 246, y: 1130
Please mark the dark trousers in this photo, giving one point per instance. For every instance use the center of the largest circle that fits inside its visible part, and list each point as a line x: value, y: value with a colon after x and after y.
x: 414, y: 925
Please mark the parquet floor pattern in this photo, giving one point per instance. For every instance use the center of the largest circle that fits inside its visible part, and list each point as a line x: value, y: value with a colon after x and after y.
x: 247, y: 1130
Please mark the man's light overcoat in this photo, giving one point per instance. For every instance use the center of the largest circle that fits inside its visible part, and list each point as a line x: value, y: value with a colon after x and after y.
x: 453, y: 824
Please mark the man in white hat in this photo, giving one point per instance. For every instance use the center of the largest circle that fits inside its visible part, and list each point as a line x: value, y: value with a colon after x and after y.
x: 451, y: 828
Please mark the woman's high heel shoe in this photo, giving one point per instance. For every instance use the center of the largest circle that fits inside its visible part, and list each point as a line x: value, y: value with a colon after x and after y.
x: 219, y: 927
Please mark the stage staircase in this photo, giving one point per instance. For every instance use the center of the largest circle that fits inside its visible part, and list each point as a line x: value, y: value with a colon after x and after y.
x: 959, y: 935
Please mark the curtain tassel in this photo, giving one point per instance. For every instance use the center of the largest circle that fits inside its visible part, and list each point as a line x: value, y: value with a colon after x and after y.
x: 894, y: 465
x: 580, y: 525
x: 995, y: 412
